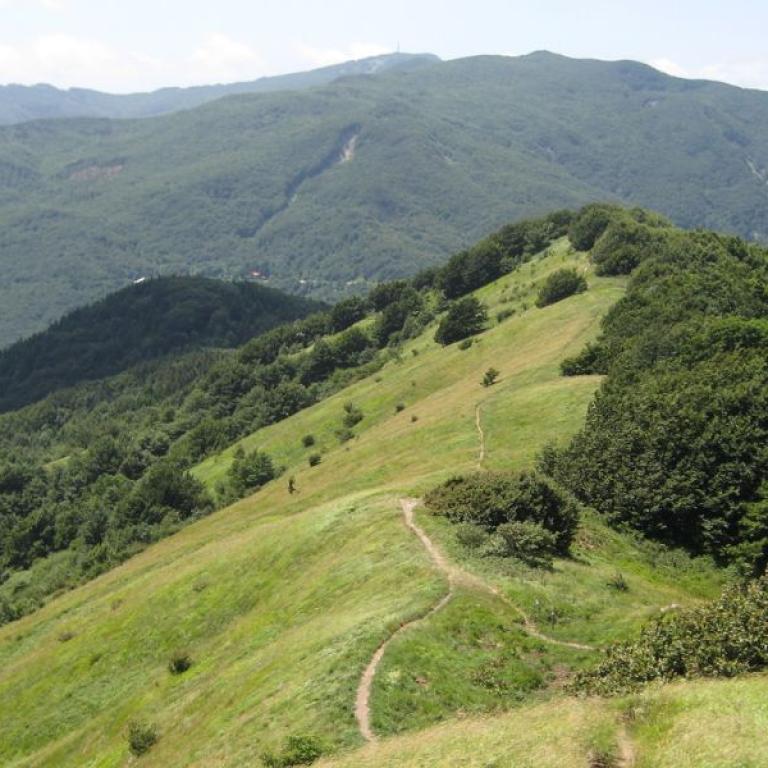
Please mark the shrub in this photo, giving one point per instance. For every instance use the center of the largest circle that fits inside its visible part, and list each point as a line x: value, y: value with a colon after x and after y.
x: 298, y: 750
x: 466, y: 344
x: 529, y: 542
x: 179, y: 662
x: 470, y: 535
x: 344, y: 434
x: 490, y: 376
x: 314, y: 459
x: 490, y: 499
x: 249, y: 471
x: 504, y: 314
x: 618, y: 582
x: 308, y: 441
x: 414, y: 418
x: 560, y: 285
x: 352, y: 415
x: 399, y: 407
x: 725, y: 638
x: 590, y: 222
x: 464, y: 318
x: 141, y: 737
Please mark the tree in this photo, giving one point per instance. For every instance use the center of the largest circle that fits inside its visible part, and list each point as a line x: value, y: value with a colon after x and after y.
x: 464, y: 318
x: 490, y: 376
x: 560, y: 285
x: 249, y: 471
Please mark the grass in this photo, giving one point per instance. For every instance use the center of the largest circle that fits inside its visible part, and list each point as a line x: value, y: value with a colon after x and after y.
x: 693, y: 724
x: 281, y: 599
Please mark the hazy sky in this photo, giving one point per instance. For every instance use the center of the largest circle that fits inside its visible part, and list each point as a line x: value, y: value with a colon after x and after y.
x: 143, y: 44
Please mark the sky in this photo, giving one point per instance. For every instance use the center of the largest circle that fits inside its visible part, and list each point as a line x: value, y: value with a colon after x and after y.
x: 146, y: 44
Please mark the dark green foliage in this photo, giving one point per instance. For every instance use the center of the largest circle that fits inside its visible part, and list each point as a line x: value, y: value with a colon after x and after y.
x: 141, y: 737
x: 308, y: 441
x: 314, y: 459
x: 498, y: 254
x: 352, y: 415
x: 590, y: 223
x: 623, y: 245
x: 298, y: 750
x: 560, y: 285
x: 470, y: 535
x: 466, y: 344
x: 675, y: 443
x: 618, y: 582
x: 492, y: 499
x: 526, y: 541
x: 138, y: 323
x: 466, y: 317
x: 723, y: 639
x: 179, y: 662
x: 249, y: 471
x: 489, y: 377
x: 504, y: 314
x: 399, y: 407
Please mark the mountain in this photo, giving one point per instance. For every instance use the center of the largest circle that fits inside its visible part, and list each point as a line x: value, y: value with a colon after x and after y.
x: 142, y: 322
x: 393, y: 577
x: 369, y: 178
x: 19, y: 103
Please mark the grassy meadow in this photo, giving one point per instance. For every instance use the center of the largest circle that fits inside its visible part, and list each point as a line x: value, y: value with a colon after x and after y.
x: 281, y: 599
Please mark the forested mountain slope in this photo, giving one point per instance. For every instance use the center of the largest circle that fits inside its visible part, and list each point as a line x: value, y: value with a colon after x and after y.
x: 142, y: 322
x: 366, y: 178
x: 19, y: 103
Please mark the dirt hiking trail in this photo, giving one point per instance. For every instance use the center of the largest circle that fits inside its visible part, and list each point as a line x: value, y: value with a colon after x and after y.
x: 455, y: 576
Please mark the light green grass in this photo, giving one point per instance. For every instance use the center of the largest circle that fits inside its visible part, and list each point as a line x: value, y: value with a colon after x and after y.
x: 692, y: 724
x: 281, y: 599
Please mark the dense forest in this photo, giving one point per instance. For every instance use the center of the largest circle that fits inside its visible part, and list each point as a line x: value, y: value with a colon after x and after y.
x: 140, y: 323
x: 333, y: 189
x: 675, y: 444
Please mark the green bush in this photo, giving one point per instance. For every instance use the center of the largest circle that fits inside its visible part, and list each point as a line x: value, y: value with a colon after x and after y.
x: 725, y: 638
x: 308, y: 441
x: 298, y: 750
x: 142, y: 737
x: 179, y: 662
x: 465, y: 317
x: 491, y: 499
x: 471, y: 536
x: 314, y: 459
x: 249, y: 471
x: 590, y: 222
x: 560, y: 285
x: 489, y: 377
x: 504, y: 314
x: 352, y: 415
x: 529, y: 542
x: 466, y: 344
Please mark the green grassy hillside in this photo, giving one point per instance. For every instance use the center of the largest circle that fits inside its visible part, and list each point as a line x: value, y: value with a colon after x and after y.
x: 364, y: 179
x: 281, y: 599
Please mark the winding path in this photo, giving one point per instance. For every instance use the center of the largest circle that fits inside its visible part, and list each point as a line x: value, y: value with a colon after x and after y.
x: 362, y: 702
x: 455, y: 576
x: 481, y: 434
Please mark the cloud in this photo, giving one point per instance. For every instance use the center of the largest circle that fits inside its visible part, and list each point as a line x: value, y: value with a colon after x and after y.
x: 747, y: 73
x: 222, y: 57
x: 324, y: 57
x: 68, y: 61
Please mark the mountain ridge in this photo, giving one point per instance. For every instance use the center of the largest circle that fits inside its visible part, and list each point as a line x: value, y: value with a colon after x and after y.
x: 21, y: 103
x: 443, y: 153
